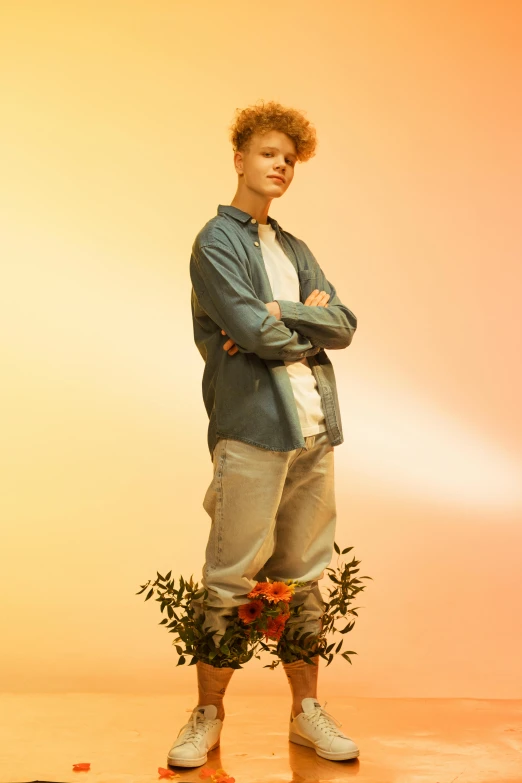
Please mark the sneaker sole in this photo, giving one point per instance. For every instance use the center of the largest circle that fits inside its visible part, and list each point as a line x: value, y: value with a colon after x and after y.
x: 323, y: 753
x: 180, y: 762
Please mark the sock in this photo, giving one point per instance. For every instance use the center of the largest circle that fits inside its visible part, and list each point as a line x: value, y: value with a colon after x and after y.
x: 212, y: 684
x: 302, y: 678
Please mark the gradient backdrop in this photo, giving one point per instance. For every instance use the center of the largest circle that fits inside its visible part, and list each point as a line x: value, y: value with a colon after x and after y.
x: 114, y: 153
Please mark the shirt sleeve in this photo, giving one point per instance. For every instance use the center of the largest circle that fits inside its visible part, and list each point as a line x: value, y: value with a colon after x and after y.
x: 328, y: 327
x: 225, y: 291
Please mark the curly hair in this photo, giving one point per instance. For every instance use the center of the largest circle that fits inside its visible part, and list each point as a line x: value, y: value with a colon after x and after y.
x: 263, y: 117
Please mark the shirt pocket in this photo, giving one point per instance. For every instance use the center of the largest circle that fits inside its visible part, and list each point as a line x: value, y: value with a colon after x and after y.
x: 307, y: 283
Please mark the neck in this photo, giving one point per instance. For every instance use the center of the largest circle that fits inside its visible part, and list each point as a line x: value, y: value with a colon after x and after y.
x: 252, y: 203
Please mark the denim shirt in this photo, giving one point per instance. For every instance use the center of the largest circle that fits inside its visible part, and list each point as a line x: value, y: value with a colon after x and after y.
x: 248, y: 396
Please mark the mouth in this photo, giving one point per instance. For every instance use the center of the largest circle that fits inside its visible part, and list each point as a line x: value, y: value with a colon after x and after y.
x: 279, y: 179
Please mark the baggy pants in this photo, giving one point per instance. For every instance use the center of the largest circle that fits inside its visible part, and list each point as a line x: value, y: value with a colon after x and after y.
x: 272, y: 516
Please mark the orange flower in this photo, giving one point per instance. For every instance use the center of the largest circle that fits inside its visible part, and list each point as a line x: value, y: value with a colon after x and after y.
x: 258, y: 590
x: 278, y: 591
x: 251, y: 611
x: 81, y: 767
x: 167, y: 774
x: 206, y: 772
x: 276, y: 626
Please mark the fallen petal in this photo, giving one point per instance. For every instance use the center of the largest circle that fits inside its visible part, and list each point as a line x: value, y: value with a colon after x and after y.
x: 167, y: 774
x: 81, y: 767
x: 222, y: 777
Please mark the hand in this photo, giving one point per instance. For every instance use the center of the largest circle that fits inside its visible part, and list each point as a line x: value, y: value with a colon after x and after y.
x: 274, y: 309
x: 230, y: 347
x: 317, y: 299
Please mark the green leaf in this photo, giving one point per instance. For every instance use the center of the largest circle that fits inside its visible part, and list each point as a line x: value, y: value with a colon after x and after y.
x: 336, y: 547
x: 149, y: 593
x: 348, y: 548
x: 168, y: 576
x: 163, y: 621
x: 181, y: 661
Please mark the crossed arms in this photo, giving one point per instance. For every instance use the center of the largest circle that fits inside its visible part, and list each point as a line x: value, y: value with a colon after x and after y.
x: 316, y: 299
x: 275, y: 330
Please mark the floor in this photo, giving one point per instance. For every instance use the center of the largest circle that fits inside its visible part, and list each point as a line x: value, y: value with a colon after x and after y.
x: 126, y: 737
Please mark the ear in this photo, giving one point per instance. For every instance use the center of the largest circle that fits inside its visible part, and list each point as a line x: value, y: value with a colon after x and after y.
x: 238, y: 162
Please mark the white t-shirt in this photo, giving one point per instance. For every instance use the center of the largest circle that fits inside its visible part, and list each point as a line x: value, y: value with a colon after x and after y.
x: 285, y: 285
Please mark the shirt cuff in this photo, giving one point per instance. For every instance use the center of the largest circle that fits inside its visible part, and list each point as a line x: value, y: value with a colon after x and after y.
x: 289, y: 312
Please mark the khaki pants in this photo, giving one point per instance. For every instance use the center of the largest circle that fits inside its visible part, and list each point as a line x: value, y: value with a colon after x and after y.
x: 273, y: 516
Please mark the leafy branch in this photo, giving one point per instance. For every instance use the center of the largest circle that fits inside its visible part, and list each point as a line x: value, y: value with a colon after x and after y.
x: 184, y: 603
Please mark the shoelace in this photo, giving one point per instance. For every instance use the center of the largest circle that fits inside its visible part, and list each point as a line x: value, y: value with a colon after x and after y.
x: 194, y: 731
x: 319, y: 717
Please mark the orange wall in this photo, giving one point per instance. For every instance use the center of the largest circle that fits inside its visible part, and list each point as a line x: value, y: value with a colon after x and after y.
x: 115, y: 152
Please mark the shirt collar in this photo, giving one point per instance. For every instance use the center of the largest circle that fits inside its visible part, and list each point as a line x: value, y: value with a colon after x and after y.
x: 243, y: 217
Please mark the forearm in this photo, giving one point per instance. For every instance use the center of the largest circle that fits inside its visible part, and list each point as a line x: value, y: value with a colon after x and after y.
x: 271, y: 339
x: 329, y: 327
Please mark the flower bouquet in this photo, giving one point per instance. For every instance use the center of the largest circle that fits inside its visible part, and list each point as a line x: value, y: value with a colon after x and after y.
x: 262, y: 623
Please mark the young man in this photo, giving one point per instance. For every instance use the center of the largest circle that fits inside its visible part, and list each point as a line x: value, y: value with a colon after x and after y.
x: 263, y: 315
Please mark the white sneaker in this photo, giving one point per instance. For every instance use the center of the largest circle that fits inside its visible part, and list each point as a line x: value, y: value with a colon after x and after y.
x: 196, y: 738
x: 315, y: 728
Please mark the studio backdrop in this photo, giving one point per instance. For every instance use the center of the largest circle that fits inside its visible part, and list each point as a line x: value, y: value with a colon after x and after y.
x: 115, y: 152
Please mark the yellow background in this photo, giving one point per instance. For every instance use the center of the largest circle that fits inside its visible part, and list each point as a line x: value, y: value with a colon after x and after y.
x: 114, y: 152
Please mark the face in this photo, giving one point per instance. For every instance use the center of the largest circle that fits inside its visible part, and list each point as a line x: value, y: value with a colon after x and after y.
x: 269, y: 157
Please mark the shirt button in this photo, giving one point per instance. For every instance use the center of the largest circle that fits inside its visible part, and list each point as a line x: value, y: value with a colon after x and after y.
x: 253, y: 220
x: 256, y: 244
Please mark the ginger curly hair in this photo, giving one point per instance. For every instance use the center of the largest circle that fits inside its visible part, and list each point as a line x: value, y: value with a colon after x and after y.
x: 266, y: 116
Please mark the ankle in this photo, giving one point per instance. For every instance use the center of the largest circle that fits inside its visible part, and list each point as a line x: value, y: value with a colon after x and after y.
x: 206, y: 699
x: 297, y: 706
